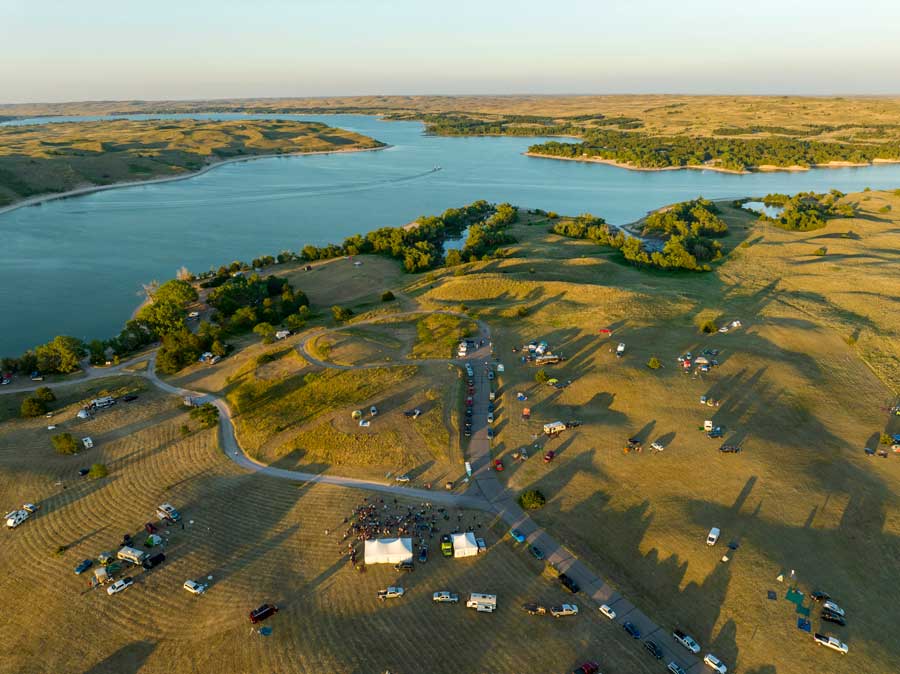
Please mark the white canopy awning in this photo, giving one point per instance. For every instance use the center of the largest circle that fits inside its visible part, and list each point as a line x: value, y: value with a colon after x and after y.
x: 388, y: 551
x: 464, y: 545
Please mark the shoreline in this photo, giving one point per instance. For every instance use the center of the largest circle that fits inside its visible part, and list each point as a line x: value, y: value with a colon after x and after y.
x: 90, y: 189
x: 764, y: 168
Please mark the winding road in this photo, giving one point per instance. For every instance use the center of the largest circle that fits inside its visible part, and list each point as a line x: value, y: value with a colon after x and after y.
x: 487, y: 493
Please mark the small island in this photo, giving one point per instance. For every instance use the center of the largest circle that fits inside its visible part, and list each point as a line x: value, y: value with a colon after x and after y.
x: 56, y: 159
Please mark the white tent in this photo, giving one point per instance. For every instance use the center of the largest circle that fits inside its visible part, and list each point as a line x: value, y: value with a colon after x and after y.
x: 464, y: 545
x: 389, y: 551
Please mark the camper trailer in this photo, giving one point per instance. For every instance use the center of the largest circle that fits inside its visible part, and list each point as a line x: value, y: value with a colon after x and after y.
x: 105, y: 401
x: 554, y: 428
x: 483, y: 603
x: 132, y: 555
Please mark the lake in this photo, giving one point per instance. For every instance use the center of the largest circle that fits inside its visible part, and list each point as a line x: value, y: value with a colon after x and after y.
x: 76, y: 266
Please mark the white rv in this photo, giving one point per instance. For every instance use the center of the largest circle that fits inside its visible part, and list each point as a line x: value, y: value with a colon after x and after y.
x: 484, y: 603
x: 16, y: 517
x: 105, y: 401
x: 554, y: 428
x: 132, y: 555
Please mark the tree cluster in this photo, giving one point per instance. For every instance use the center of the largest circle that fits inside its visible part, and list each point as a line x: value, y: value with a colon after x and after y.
x: 806, y: 211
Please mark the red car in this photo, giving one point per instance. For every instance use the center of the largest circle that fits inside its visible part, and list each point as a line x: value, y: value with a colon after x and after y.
x: 588, y: 668
x: 498, y: 465
x: 549, y: 456
x: 263, y: 612
x: 469, y: 401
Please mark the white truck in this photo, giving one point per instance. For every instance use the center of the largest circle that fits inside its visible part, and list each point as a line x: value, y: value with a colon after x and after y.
x: 132, y: 555
x: 483, y: 603
x: 167, y: 511
x: 16, y: 517
x: 620, y: 350
x: 563, y: 610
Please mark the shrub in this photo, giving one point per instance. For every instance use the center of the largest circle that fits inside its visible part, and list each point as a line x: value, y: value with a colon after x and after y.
x: 44, y: 394
x: 886, y: 439
x: 32, y: 407
x: 532, y: 499
x: 341, y: 314
x: 207, y: 414
x: 541, y: 376
x: 185, y: 429
x: 266, y: 331
x: 820, y: 251
x: 387, y: 296
x: 61, y: 550
x: 64, y: 443
x: 522, y: 312
x: 885, y: 209
x: 97, y: 471
x: 654, y: 363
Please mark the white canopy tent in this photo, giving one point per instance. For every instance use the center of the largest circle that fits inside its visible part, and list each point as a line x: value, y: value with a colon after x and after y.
x: 388, y: 551
x: 464, y: 545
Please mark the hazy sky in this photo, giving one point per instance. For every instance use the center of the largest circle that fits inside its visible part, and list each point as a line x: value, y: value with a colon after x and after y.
x: 96, y: 49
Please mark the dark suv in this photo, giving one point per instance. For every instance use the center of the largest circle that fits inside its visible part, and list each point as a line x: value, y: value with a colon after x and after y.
x: 404, y: 566
x: 153, y: 560
x: 263, y: 612
x: 654, y: 649
x: 568, y: 583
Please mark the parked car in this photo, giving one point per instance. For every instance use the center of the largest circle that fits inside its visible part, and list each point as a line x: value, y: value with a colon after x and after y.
x: 675, y: 668
x: 831, y: 642
x: 686, y: 640
x: 468, y: 431
x: 153, y: 560
x: 490, y: 417
x: 717, y: 432
x: 446, y: 545
x: 517, y: 535
x: 498, y: 465
x: 129, y: 398
x: 563, y: 610
x: 587, y: 668
x: 730, y: 449
x: 390, y: 593
x: 257, y: 615
x: 414, y: 414
x: 834, y: 608
x: 568, y: 583
x: 120, y: 585
x: 490, y: 374
x: 534, y: 609
x: 423, y: 555
x: 536, y: 552
x: 468, y: 411
x: 167, y: 512
x: 31, y: 507
x: 606, y: 610
x: 820, y: 596
x: 654, y: 649
x: 444, y: 597
x: 406, y: 566
x: 83, y: 471
x: 632, y: 630
x: 713, y: 662
x: 194, y: 587
x: 830, y: 617
x: 490, y: 433
x: 402, y: 478
x: 713, y: 536
x: 549, y: 456
x: 373, y: 410
x: 87, y: 442
x: 83, y: 566
x: 657, y: 445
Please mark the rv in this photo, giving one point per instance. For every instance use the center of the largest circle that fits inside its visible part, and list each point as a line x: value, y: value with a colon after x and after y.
x: 282, y: 334
x: 483, y: 603
x: 132, y: 555
x: 554, y: 428
x: 105, y: 401
x: 620, y: 349
x: 16, y: 517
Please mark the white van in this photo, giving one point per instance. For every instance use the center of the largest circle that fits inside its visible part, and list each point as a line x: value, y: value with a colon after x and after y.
x: 132, y: 555
x: 16, y: 517
x: 87, y: 442
x: 105, y: 401
x: 483, y: 603
x: 713, y: 537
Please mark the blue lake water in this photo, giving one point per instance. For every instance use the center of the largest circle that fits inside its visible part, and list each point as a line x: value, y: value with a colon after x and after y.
x: 75, y: 266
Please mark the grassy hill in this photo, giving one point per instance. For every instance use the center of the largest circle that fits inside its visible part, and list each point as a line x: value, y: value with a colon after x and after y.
x: 48, y: 158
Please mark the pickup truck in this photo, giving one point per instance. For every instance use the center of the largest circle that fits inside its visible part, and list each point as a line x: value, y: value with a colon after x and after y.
x: 831, y: 642
x: 563, y: 610
x: 686, y: 640
x: 390, y: 593
x: 445, y: 597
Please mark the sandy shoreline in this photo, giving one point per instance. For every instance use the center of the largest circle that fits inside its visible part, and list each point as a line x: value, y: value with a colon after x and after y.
x: 90, y: 189
x: 766, y: 168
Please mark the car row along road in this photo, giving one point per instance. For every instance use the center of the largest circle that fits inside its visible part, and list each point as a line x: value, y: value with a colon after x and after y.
x: 488, y: 494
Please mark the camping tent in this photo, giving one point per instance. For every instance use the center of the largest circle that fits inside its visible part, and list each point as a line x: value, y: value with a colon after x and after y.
x: 389, y: 551
x: 464, y: 545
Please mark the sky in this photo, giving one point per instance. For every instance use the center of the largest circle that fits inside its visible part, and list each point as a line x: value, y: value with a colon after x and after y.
x: 68, y: 50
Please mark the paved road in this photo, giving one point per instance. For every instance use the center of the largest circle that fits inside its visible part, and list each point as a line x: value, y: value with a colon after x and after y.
x: 489, y: 493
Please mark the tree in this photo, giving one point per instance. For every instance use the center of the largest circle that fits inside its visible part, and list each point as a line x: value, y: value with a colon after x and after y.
x: 63, y: 354
x: 341, y: 314
x: 97, y: 471
x: 162, y: 317
x: 28, y: 362
x: 541, y: 376
x: 44, y: 394
x: 207, y: 414
x: 184, y: 274
x: 387, y: 296
x: 243, y: 319
x: 453, y: 258
x: 218, y: 349
x: 266, y: 331
x: 532, y: 499
x: 32, y: 407
x: 177, y: 291
x: 295, y: 323
x: 64, y: 443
